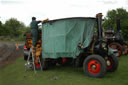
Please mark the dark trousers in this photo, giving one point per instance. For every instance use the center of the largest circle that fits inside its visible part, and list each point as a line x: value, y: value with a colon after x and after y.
x: 34, y: 36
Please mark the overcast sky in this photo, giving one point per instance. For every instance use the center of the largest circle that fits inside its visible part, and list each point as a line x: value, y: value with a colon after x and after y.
x: 23, y: 10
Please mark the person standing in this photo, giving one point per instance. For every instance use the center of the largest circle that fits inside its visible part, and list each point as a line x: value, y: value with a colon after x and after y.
x: 34, y: 30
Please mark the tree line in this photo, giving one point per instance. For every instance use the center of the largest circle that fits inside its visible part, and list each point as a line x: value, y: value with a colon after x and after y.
x: 15, y: 28
x: 110, y: 21
x: 12, y: 27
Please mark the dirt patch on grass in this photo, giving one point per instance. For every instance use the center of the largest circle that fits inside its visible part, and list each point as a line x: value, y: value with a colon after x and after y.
x: 8, y: 53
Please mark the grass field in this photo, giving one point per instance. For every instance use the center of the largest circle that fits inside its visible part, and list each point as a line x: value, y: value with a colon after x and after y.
x: 15, y: 74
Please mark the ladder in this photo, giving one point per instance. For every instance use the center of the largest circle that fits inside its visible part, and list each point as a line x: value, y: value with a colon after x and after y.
x: 31, y: 62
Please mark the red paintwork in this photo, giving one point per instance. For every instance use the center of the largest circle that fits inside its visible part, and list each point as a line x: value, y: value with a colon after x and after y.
x: 97, y: 69
x: 37, y: 65
x: 64, y: 60
x: 118, y: 48
x: 25, y: 48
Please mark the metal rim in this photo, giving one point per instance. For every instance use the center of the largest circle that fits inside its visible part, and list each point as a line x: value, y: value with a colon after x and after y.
x: 109, y: 63
x: 94, y: 66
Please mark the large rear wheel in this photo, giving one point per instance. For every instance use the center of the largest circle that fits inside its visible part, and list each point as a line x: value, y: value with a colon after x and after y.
x: 94, y: 66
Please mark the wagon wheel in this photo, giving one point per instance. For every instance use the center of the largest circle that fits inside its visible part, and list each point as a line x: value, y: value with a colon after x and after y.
x: 116, y: 46
x: 94, y: 66
x: 112, y: 63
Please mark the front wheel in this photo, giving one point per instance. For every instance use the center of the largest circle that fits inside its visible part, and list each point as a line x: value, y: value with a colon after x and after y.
x: 94, y: 66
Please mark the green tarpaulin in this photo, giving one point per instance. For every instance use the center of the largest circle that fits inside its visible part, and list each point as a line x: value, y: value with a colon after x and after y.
x: 60, y: 38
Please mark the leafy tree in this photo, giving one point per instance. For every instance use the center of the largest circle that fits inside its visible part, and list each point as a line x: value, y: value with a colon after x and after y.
x: 2, y: 29
x: 14, y: 27
x: 110, y: 20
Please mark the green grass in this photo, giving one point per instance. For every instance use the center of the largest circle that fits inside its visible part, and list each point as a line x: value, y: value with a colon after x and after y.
x: 15, y: 74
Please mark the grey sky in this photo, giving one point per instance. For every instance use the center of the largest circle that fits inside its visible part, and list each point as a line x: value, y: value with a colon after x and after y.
x: 23, y: 10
